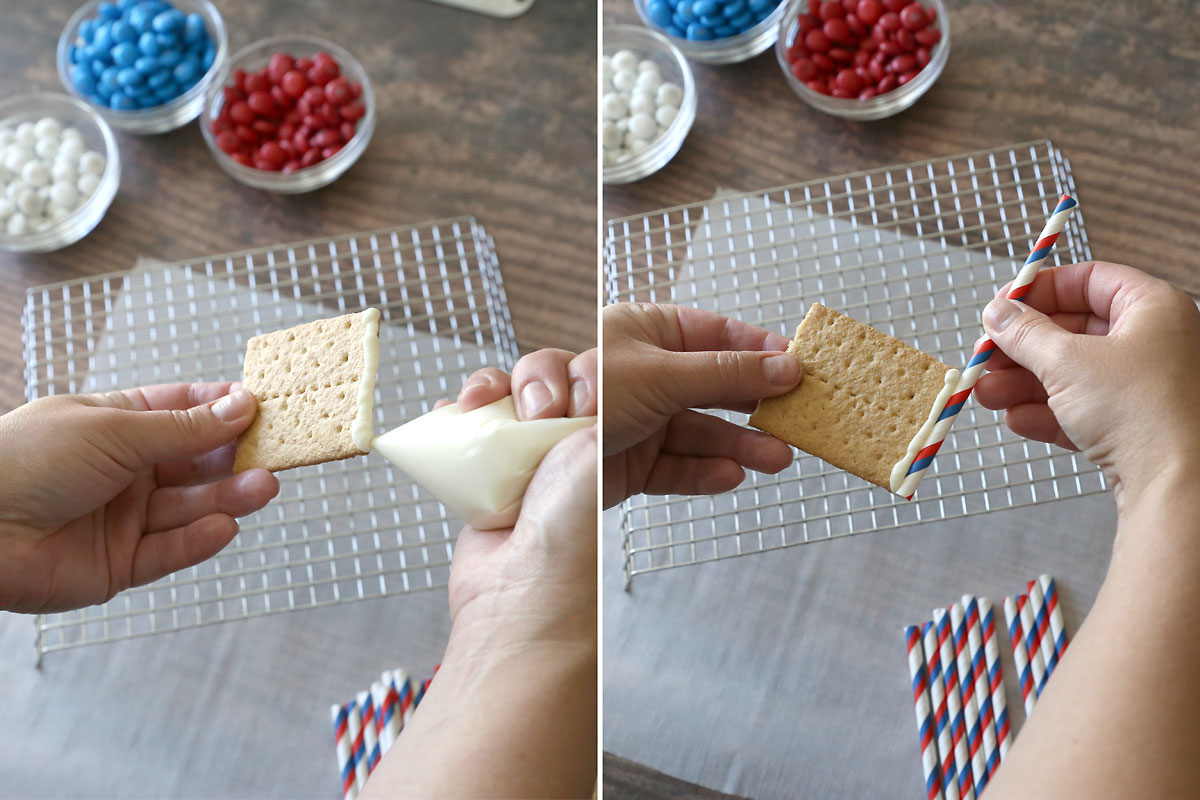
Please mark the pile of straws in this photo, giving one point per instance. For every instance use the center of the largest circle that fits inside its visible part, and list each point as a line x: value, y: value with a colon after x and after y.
x: 365, y: 728
x: 958, y: 686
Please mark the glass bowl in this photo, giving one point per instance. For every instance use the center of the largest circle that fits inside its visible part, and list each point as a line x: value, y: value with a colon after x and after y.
x: 97, y: 135
x: 730, y: 49
x: 674, y: 68
x: 323, y: 173
x: 162, y: 118
x: 880, y: 106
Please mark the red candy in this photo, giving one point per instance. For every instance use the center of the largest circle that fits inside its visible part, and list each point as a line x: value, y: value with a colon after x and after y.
x: 296, y: 112
x: 869, y: 11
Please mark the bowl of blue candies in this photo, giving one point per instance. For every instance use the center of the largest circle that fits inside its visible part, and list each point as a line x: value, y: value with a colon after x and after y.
x: 715, y: 31
x: 144, y: 65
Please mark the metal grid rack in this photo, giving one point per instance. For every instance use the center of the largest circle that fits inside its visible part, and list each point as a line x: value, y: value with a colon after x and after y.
x: 337, y: 532
x: 915, y: 250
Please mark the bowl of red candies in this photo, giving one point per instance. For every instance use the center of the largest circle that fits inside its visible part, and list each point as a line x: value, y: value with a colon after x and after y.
x: 289, y: 114
x: 863, y: 59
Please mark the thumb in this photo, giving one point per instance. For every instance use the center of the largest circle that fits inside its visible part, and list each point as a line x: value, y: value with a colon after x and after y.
x: 724, y: 376
x: 155, y: 436
x: 1026, y: 335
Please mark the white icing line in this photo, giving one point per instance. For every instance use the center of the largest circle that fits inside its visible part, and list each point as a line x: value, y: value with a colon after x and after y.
x: 922, y: 437
x: 363, y: 429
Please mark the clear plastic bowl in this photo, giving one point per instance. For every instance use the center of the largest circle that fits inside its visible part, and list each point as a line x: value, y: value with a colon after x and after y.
x: 170, y: 115
x: 323, y: 173
x: 729, y: 50
x: 880, y: 106
x: 97, y: 135
x: 674, y: 67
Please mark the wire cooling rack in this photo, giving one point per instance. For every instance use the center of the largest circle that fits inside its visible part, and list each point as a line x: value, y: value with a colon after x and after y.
x: 915, y: 250
x: 338, y: 532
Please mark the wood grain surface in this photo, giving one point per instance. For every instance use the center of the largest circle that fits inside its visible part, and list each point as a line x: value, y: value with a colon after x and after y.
x: 629, y: 779
x: 1112, y: 84
x: 494, y: 118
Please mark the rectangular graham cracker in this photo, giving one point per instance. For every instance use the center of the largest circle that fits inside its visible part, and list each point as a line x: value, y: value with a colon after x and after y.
x: 863, y: 397
x: 306, y: 380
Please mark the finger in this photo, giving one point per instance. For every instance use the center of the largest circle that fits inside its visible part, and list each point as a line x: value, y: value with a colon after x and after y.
x: 1072, y: 322
x: 485, y: 386
x: 1036, y: 421
x: 674, y: 474
x: 687, y: 380
x: 1098, y: 287
x: 242, y: 494
x: 541, y: 385
x: 691, y: 433
x: 170, y: 396
x: 1009, y: 387
x: 1027, y: 336
x: 582, y: 372
x: 704, y: 330
x: 202, y: 469
x: 151, y: 437
x: 442, y: 402
x: 162, y: 553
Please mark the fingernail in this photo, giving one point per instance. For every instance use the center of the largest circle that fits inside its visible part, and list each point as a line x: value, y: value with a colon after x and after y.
x: 998, y: 314
x: 232, y: 406
x: 782, y: 370
x: 535, y: 398
x: 480, y: 380
x: 581, y: 393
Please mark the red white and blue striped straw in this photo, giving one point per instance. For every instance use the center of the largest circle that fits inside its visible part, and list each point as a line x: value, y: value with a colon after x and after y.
x: 924, y: 714
x: 991, y: 656
x: 1058, y: 628
x: 370, y: 739
x: 937, y: 696
x: 974, y: 369
x: 345, y: 758
x: 384, y: 717
x: 404, y: 693
x: 358, y: 748
x: 983, y: 687
x: 954, y: 709
x: 394, y: 720
x: 966, y: 679
x: 1037, y: 666
x: 1020, y: 654
x: 1041, y: 622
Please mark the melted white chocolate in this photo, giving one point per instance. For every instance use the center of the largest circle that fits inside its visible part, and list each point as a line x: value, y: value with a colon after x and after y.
x: 362, y: 431
x: 922, y: 437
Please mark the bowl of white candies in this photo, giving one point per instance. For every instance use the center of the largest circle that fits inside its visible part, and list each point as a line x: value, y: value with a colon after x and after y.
x: 59, y: 171
x: 648, y: 102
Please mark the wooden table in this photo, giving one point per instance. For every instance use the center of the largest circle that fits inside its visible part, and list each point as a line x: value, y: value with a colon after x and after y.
x: 1113, y: 85
x: 476, y: 116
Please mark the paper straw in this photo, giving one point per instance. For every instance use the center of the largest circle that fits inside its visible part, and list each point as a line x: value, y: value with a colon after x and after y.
x: 1058, y: 628
x: 1041, y: 623
x: 358, y: 748
x: 1029, y: 630
x: 937, y: 696
x: 1020, y: 654
x: 342, y: 743
x: 394, y: 722
x: 404, y: 694
x: 974, y: 368
x: 370, y: 738
x: 966, y: 680
x: 920, y: 687
x: 991, y: 655
x: 384, y: 713
x: 962, y: 758
x: 983, y: 688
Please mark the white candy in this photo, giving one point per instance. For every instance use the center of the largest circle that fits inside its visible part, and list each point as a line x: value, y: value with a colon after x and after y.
x: 71, y: 148
x: 16, y: 156
x: 646, y: 65
x: 91, y: 162
x: 614, y: 106
x: 641, y: 103
x: 665, y: 115
x: 87, y: 183
x: 63, y: 170
x: 16, y: 225
x: 44, y: 225
x: 6, y: 208
x: 35, y: 173
x: 625, y: 80
x: 6, y: 137
x: 71, y: 133
x: 641, y: 126
x: 64, y: 194
x: 26, y: 134
x: 623, y: 124
x: 669, y: 94
x: 46, y: 148
x: 14, y: 188
x: 648, y: 81
x: 624, y: 59
x: 638, y: 145
x: 48, y: 128
x: 610, y: 135
x: 58, y: 213
x: 29, y: 203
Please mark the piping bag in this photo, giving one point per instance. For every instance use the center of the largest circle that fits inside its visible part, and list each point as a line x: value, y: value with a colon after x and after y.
x: 477, y: 463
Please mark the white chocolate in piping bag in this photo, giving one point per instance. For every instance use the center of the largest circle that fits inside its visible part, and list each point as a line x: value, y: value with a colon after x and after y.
x: 477, y: 463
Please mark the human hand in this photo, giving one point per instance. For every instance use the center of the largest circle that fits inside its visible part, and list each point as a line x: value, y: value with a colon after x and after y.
x: 537, y: 579
x: 1101, y: 358
x: 661, y: 361
x: 103, y: 492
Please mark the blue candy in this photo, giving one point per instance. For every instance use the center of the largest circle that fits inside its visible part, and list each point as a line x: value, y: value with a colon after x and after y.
x: 742, y: 22
x: 125, y: 54
x: 125, y: 5
x: 148, y: 100
x: 148, y: 44
x: 712, y: 21
x: 169, y: 58
x: 84, y: 80
x: 159, y: 79
x: 146, y: 65
x: 698, y: 33
x: 763, y: 5
x: 209, y: 58
x: 121, y: 102
x: 108, y: 80
x: 141, y: 16
x: 167, y: 39
x: 168, y: 21
x: 168, y: 91
x: 102, y: 40
x: 122, y: 31
x: 108, y: 11
x: 187, y: 72
x: 705, y: 8
x: 87, y: 29
x: 129, y: 76
x: 659, y: 13
x: 734, y: 8
x: 194, y: 29
x: 704, y: 20
x: 98, y: 66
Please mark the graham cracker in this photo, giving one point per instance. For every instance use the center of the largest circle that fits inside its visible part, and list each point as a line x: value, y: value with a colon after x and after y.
x: 863, y: 397
x: 306, y: 382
